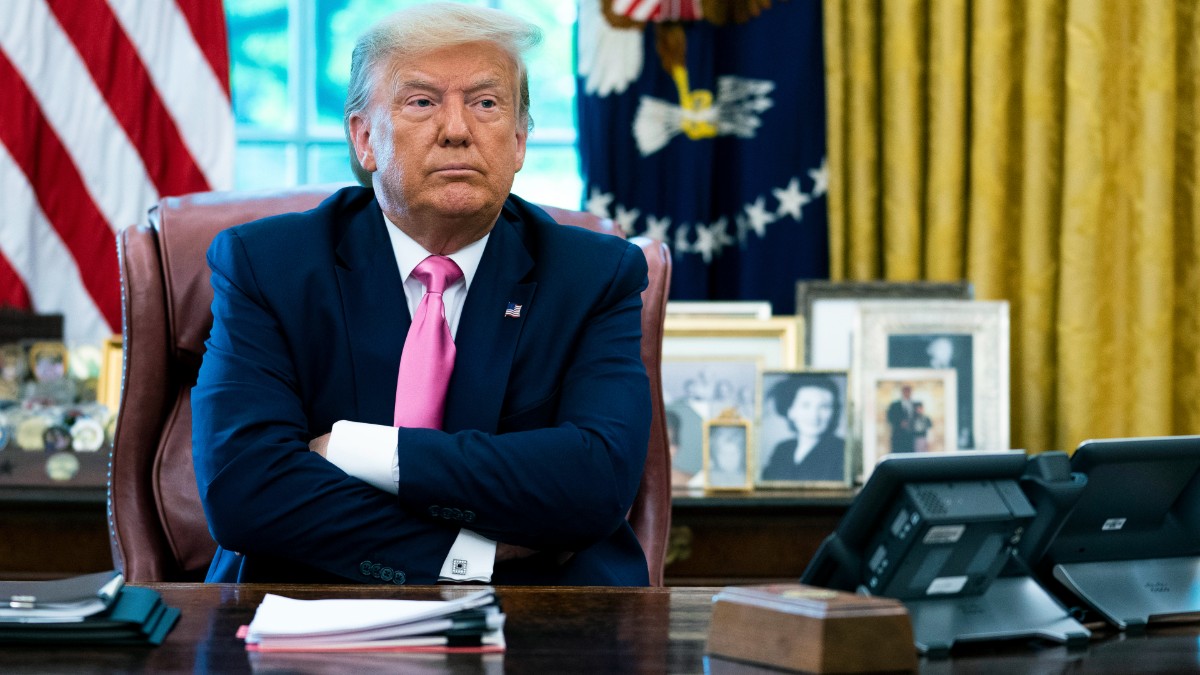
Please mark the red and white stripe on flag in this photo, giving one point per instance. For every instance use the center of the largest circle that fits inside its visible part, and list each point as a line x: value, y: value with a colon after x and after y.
x: 107, y: 105
x: 659, y: 10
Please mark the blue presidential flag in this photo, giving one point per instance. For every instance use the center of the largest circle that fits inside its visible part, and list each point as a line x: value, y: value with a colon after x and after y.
x: 702, y: 124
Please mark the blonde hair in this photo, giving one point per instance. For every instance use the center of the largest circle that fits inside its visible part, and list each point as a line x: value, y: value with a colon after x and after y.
x: 425, y: 28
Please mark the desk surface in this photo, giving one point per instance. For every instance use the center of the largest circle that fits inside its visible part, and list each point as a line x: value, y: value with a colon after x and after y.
x: 555, y: 630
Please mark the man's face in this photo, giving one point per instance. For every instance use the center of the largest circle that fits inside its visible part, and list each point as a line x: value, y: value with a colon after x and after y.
x: 441, y: 132
x: 941, y: 350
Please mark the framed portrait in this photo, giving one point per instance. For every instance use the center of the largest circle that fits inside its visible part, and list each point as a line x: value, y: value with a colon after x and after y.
x: 12, y: 371
x: 804, y: 430
x: 696, y: 390
x: 828, y: 311
x: 744, y: 309
x: 908, y: 410
x: 108, y: 391
x: 969, y: 337
x: 776, y: 342
x: 48, y: 361
x: 728, y: 458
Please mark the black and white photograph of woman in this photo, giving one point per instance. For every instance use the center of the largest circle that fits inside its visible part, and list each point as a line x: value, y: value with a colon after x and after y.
x: 806, y: 439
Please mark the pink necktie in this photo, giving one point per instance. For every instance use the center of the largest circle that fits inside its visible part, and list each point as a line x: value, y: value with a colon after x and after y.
x: 428, y: 357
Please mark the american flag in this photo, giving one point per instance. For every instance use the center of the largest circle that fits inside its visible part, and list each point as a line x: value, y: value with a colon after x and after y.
x: 513, y: 310
x: 659, y: 10
x: 107, y: 105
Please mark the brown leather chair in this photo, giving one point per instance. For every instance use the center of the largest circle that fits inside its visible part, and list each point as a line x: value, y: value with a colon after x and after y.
x: 156, y: 524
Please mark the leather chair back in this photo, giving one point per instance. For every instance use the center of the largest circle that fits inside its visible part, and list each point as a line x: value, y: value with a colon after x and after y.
x: 156, y: 523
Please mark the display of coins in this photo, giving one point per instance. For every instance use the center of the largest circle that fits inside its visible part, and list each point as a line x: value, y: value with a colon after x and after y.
x: 56, y: 438
x: 62, y: 466
x: 31, y: 433
x: 87, y: 435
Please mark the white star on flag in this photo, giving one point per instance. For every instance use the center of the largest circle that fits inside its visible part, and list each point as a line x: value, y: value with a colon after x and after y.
x: 759, y: 217
x: 626, y: 218
x: 820, y: 178
x: 656, y: 228
x: 711, y: 239
x: 681, y: 240
x: 597, y: 203
x: 791, y: 200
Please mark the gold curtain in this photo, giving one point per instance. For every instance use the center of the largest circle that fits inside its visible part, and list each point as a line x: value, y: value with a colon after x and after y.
x: 1049, y: 152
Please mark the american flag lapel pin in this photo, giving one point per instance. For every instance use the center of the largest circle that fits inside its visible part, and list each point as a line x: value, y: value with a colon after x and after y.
x: 513, y: 311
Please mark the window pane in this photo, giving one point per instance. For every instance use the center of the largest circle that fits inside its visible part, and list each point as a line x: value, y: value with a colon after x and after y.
x: 339, y: 23
x: 264, y: 165
x: 329, y: 163
x: 550, y: 176
x: 258, y: 53
x: 551, y: 76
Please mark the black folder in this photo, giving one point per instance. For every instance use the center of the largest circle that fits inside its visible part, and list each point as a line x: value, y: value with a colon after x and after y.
x: 132, y: 616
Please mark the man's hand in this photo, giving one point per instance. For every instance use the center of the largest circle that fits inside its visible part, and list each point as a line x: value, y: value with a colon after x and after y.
x: 507, y: 552
x: 319, y: 445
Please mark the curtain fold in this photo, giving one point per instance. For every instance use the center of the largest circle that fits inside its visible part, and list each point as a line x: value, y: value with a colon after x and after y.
x: 1047, y: 152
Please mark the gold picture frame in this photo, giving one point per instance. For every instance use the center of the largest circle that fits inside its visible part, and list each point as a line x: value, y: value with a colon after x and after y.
x: 108, y: 390
x: 931, y: 394
x: 48, y: 361
x: 728, y: 455
x: 778, y: 341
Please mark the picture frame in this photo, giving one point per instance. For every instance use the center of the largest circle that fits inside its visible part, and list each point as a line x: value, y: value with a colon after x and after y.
x: 48, y: 361
x: 746, y: 309
x: 696, y: 390
x: 803, y: 432
x: 777, y: 342
x: 969, y: 336
x: 893, y: 406
x: 827, y: 308
x: 13, y: 367
x: 728, y: 454
x: 108, y: 389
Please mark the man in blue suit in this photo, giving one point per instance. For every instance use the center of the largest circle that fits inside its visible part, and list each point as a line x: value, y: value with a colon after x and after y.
x: 540, y: 452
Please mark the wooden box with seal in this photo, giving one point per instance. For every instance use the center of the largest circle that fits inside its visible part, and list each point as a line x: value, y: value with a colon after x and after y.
x: 810, y: 629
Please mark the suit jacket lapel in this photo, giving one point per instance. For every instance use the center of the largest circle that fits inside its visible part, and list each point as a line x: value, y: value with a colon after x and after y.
x: 375, y: 311
x: 487, y: 339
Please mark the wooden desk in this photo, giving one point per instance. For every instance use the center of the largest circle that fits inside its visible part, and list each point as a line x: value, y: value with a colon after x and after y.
x: 554, y: 630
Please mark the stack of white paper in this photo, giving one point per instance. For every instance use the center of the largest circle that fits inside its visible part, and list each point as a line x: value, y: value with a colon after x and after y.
x: 473, y: 622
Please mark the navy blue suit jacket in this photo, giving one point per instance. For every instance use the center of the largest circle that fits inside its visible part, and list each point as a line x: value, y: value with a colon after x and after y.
x: 546, y: 422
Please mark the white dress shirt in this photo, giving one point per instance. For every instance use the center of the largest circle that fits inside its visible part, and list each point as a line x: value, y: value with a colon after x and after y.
x: 369, y: 451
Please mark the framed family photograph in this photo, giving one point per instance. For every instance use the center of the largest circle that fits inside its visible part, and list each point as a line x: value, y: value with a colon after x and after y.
x: 776, y: 342
x: 908, y: 410
x: 827, y: 308
x: 728, y: 455
x: 968, y: 337
x: 695, y: 391
x: 804, y: 430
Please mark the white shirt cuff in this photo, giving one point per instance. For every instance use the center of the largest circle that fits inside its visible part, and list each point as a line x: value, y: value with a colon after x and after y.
x: 366, y: 452
x: 471, y: 558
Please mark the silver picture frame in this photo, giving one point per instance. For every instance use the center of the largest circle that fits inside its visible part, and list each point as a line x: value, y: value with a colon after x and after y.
x: 969, y: 336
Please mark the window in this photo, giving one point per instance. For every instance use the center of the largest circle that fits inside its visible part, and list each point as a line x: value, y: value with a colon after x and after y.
x: 291, y: 65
